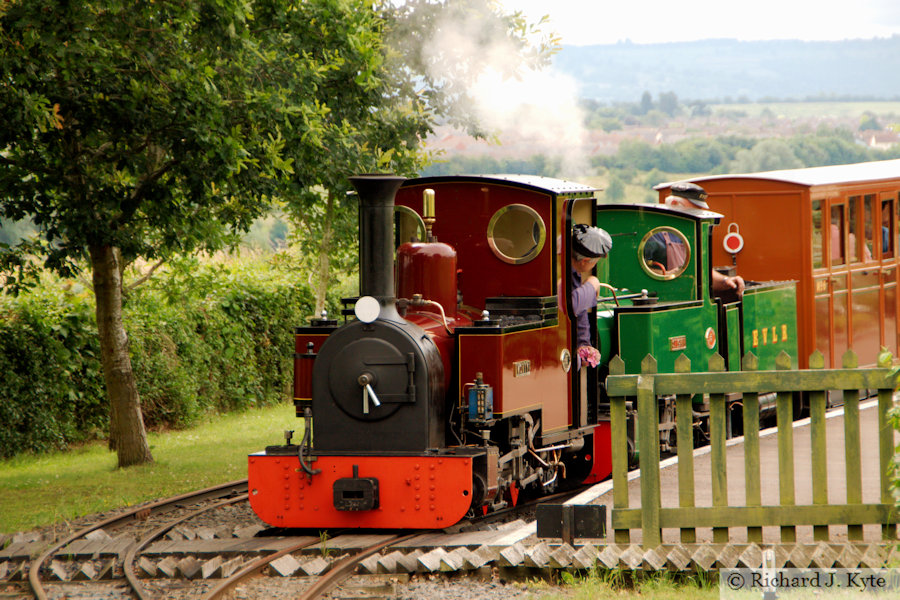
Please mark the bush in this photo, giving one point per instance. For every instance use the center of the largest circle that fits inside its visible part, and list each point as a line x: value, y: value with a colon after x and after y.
x: 203, y: 338
x: 53, y: 391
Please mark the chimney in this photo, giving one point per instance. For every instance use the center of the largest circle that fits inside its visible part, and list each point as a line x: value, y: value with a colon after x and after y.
x: 376, y: 235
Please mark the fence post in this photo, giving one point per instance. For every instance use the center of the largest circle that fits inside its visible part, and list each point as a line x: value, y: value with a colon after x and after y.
x: 852, y: 446
x: 648, y: 418
x: 684, y: 429
x: 784, y: 406
x: 752, y: 485
x: 886, y: 441
x: 818, y: 446
x: 718, y: 459
x: 619, y: 446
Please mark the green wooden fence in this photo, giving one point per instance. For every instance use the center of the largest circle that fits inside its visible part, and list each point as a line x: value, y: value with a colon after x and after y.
x: 817, y: 382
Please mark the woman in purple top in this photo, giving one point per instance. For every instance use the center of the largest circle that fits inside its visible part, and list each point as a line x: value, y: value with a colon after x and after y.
x: 589, y: 245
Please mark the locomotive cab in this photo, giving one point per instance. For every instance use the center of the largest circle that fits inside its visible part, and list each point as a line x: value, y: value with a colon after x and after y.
x: 659, y: 250
x: 661, y: 256
x: 666, y: 307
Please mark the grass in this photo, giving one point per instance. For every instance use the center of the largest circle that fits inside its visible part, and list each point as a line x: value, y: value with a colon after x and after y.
x: 616, y: 584
x: 36, y: 491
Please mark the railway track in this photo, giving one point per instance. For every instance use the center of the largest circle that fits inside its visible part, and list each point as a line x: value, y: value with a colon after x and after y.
x: 150, y: 528
x: 142, y: 513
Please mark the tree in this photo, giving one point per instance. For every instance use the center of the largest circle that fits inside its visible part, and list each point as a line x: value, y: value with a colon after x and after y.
x: 869, y: 122
x: 767, y: 155
x: 668, y: 103
x: 615, y: 189
x: 154, y: 128
x: 646, y: 104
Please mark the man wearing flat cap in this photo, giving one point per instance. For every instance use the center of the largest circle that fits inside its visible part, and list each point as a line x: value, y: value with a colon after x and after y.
x: 691, y: 195
x: 688, y: 195
x: 589, y: 245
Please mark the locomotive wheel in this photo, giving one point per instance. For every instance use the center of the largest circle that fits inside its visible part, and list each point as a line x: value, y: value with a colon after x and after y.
x: 578, y: 464
x: 479, y: 486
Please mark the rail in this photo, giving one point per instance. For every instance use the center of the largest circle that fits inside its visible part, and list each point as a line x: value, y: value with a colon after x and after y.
x: 651, y: 518
x: 137, y: 513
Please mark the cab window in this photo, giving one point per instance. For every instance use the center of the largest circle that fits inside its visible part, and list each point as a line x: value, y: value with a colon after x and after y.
x: 664, y: 253
x: 516, y: 234
x: 408, y: 226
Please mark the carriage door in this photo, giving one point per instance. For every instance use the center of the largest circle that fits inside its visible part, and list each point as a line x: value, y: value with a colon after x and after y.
x: 830, y: 279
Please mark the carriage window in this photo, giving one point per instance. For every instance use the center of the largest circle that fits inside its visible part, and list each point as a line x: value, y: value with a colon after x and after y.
x: 868, y: 227
x: 408, y: 226
x: 516, y: 234
x: 853, y: 222
x: 836, y: 242
x: 888, y: 229
x: 664, y: 252
x: 817, y: 234
x: 856, y: 241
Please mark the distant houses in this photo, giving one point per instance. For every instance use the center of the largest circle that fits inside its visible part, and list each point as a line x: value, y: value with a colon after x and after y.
x: 597, y: 142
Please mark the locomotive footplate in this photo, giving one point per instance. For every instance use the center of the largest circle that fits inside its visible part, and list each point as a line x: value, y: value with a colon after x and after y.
x: 372, y: 492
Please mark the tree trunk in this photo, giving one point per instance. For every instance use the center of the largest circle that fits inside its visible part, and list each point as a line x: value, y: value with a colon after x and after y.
x: 126, y: 421
x: 324, y: 270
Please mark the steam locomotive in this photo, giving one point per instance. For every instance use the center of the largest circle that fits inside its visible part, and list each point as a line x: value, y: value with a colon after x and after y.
x: 452, y: 385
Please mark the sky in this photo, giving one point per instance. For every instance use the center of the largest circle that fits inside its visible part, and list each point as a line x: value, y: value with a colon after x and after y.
x: 585, y: 22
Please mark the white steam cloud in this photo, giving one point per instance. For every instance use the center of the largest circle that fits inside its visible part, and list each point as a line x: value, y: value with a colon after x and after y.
x: 530, y: 111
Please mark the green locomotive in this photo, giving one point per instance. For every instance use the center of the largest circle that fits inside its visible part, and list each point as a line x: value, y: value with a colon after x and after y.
x: 660, y: 301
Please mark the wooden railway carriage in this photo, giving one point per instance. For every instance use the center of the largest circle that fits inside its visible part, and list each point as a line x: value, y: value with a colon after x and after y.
x: 833, y: 230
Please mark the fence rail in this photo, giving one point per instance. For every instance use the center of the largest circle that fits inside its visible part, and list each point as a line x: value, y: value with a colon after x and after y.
x: 651, y: 518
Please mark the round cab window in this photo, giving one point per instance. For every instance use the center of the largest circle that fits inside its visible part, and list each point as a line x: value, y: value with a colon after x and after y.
x: 664, y: 253
x: 516, y: 234
x: 408, y: 226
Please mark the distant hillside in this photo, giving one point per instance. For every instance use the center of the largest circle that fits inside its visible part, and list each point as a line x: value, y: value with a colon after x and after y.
x: 731, y: 69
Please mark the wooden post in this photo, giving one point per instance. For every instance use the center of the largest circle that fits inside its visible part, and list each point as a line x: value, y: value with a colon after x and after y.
x: 718, y: 460
x: 785, y: 417
x: 619, y: 445
x: 684, y: 428
x: 852, y: 449
x: 648, y: 415
x: 752, y: 484
x: 818, y: 446
x: 886, y: 440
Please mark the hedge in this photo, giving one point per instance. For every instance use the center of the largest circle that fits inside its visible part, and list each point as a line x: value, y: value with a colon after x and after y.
x: 204, y: 338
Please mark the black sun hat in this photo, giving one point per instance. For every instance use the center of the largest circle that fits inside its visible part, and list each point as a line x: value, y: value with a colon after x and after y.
x: 591, y: 242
